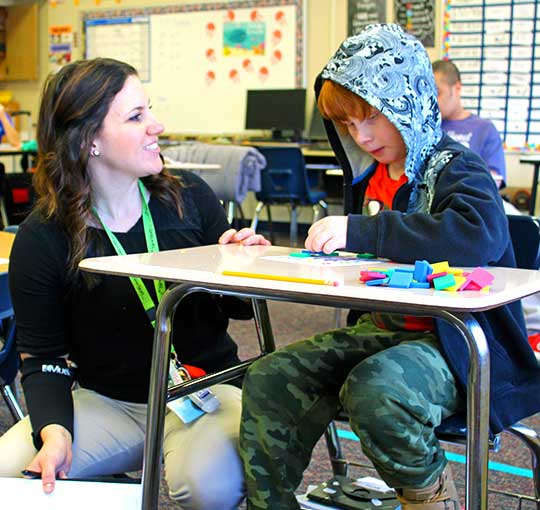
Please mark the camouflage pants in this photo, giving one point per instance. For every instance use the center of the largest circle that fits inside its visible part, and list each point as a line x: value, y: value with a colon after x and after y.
x: 395, y: 386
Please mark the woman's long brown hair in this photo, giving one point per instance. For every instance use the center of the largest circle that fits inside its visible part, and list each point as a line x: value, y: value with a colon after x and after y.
x: 73, y: 105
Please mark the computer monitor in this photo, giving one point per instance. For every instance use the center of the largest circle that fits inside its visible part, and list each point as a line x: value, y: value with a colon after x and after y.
x: 316, y: 132
x: 278, y: 110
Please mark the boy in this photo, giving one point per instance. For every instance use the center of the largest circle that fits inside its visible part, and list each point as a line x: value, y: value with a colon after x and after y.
x: 409, y: 191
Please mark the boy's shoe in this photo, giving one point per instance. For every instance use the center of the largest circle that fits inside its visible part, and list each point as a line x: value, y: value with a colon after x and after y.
x: 441, y: 495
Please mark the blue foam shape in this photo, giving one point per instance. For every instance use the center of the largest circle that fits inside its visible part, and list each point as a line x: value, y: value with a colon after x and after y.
x: 400, y: 280
x: 380, y: 281
x: 421, y: 270
x: 420, y: 285
x: 404, y: 269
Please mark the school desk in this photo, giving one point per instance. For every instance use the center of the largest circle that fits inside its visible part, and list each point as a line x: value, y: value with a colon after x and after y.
x: 6, y: 242
x: 178, y: 165
x: 201, y: 269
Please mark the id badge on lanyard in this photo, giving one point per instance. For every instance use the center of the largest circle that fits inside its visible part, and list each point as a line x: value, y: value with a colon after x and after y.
x: 196, y: 404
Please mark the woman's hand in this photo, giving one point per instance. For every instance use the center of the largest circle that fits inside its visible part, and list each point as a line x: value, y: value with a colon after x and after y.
x: 54, y: 458
x: 328, y: 234
x: 246, y: 237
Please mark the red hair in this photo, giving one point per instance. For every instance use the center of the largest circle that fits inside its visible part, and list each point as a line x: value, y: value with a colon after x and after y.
x: 339, y: 104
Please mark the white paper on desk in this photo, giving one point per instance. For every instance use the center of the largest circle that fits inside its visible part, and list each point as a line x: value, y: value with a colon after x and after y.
x: 326, y: 261
x: 24, y: 493
x: 4, y: 261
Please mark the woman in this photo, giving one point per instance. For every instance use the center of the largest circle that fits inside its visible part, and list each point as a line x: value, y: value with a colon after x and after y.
x: 102, y: 190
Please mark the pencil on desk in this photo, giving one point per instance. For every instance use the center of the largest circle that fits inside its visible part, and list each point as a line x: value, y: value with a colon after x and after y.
x: 295, y: 279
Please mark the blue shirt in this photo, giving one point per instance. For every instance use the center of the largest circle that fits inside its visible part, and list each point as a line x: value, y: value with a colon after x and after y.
x: 482, y: 137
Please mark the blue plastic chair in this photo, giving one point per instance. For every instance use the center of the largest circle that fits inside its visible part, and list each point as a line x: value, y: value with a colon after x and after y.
x: 284, y: 181
x: 9, y: 358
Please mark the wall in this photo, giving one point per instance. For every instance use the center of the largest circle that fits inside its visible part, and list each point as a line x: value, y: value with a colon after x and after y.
x: 326, y: 25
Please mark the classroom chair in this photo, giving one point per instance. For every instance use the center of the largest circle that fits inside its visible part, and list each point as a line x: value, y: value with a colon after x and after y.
x: 18, y: 197
x: 9, y: 358
x: 284, y: 181
x: 525, y: 237
x: 239, y: 174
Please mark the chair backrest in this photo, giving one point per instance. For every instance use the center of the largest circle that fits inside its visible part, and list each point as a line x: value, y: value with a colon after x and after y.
x: 284, y: 179
x: 19, y: 196
x: 240, y: 167
x: 9, y: 359
x: 525, y: 235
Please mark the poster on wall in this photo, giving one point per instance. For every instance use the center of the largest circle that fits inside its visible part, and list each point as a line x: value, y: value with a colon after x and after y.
x: 496, y: 46
x: 417, y: 17
x: 199, y: 60
x: 60, y: 46
x: 361, y: 13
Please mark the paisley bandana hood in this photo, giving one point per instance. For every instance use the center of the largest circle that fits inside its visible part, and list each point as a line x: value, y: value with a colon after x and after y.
x: 392, y: 72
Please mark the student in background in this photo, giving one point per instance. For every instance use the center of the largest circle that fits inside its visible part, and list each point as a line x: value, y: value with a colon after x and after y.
x: 7, y: 131
x: 102, y: 190
x: 479, y: 134
x: 396, y: 376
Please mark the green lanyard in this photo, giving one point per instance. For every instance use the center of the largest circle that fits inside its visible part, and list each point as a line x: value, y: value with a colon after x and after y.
x: 152, y: 246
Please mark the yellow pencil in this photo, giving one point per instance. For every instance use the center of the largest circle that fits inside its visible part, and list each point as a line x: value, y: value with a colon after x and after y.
x: 280, y: 278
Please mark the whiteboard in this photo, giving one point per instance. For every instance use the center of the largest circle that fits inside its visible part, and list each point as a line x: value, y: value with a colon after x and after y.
x: 198, y: 61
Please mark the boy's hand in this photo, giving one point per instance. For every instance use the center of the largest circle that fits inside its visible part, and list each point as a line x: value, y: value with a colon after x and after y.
x: 246, y: 237
x: 328, y: 234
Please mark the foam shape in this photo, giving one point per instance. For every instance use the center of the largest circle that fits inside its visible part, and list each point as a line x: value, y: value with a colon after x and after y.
x: 400, y: 280
x: 477, y: 279
x: 456, y: 271
x: 432, y: 276
x: 404, y: 269
x: 444, y: 281
x: 459, y: 281
x: 440, y: 267
x: 382, y: 281
x: 420, y: 285
x: 421, y: 270
x: 371, y: 275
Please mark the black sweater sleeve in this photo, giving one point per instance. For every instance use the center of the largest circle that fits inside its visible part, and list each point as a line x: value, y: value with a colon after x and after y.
x: 36, y: 277
x: 209, y: 208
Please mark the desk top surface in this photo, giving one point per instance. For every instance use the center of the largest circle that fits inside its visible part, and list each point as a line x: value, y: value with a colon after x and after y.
x: 530, y: 158
x: 206, y: 264
x: 171, y: 164
x: 7, y: 149
x: 6, y: 242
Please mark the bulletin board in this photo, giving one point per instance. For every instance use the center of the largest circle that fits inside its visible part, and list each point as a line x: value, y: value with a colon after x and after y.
x: 496, y: 46
x: 197, y: 61
x: 361, y: 13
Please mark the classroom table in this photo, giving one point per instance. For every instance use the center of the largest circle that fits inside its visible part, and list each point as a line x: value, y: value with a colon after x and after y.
x: 9, y: 150
x: 533, y: 159
x: 200, y: 269
x: 185, y: 165
x: 6, y: 242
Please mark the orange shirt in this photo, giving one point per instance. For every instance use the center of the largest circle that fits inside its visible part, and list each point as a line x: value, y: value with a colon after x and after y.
x: 379, y: 196
x: 381, y: 188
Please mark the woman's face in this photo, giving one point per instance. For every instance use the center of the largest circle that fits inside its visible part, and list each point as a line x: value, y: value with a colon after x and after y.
x: 127, y: 141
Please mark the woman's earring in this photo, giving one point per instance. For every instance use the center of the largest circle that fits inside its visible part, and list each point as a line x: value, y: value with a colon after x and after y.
x: 95, y: 152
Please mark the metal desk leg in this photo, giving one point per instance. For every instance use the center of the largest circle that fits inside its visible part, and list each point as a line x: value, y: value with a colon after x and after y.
x: 477, y: 409
x: 534, y: 187
x: 157, y: 395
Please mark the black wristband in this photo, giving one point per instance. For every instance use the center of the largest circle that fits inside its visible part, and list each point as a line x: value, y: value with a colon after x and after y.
x: 47, y: 390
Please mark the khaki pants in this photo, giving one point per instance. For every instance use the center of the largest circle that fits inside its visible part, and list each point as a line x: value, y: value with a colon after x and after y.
x: 202, y: 467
